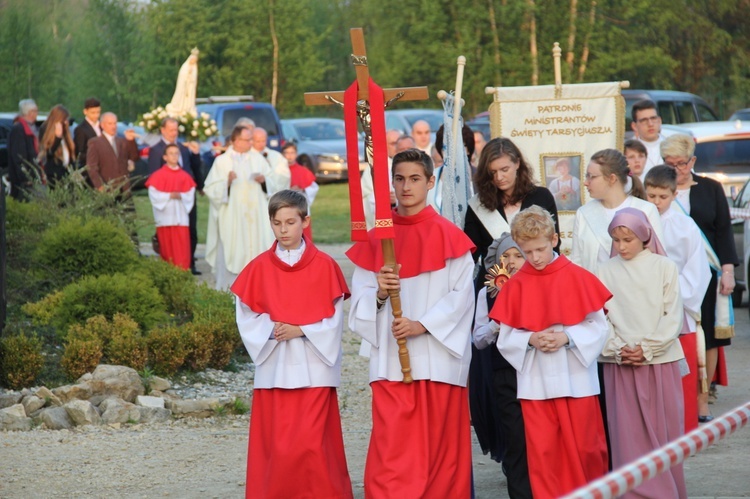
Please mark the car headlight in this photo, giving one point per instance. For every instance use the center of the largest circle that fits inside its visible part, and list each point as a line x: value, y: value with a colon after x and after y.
x: 333, y: 158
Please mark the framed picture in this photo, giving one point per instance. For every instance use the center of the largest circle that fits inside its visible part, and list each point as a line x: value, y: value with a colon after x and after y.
x: 563, y: 178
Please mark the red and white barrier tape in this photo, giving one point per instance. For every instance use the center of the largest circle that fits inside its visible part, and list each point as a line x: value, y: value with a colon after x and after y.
x: 658, y: 461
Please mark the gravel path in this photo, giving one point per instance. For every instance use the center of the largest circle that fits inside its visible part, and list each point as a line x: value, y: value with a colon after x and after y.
x: 206, y: 458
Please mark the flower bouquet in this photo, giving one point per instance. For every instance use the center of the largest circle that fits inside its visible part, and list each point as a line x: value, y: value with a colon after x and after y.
x: 192, y: 127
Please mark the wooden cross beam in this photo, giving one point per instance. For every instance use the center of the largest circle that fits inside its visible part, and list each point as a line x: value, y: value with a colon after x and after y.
x: 359, y: 60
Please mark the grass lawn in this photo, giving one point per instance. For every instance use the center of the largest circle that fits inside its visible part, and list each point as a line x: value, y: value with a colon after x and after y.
x: 330, y: 215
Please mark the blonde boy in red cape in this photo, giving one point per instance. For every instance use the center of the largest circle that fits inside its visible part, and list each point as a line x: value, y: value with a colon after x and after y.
x: 552, y: 330
x: 420, y: 444
x: 290, y: 315
x: 171, y: 191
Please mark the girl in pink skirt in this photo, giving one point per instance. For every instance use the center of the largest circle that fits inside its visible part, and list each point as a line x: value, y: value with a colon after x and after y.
x: 642, y: 355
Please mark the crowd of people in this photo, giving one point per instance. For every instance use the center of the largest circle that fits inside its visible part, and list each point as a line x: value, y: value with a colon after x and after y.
x: 565, y: 366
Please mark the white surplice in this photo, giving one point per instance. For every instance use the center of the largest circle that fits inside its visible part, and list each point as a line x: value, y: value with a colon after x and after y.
x: 280, y: 177
x: 591, y: 240
x: 683, y: 243
x: 442, y: 300
x: 171, y: 212
x: 313, y: 360
x: 568, y: 372
x: 238, y: 221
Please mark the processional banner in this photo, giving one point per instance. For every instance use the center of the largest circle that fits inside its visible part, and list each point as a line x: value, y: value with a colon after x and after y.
x: 558, y: 129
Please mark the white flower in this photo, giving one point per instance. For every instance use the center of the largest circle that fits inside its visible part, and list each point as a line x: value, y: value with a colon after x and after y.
x: 213, y: 128
x: 196, y: 124
x: 194, y: 133
x: 151, y: 124
x: 205, y: 124
x: 140, y: 123
x: 209, y: 132
x: 183, y: 119
x: 162, y: 115
x: 148, y: 116
x: 181, y: 128
x: 205, y: 116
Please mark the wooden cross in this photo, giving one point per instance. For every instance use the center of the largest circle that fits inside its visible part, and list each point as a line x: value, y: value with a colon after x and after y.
x: 359, y: 60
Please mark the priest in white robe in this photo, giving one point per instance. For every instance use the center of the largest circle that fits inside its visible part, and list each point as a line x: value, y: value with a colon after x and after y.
x: 238, y: 225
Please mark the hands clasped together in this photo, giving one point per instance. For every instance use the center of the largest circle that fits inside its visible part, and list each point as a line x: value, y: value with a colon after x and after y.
x: 402, y: 327
x: 284, y: 332
x: 548, y: 340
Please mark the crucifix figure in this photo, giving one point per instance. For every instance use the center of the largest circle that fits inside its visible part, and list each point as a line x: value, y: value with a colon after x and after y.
x: 364, y: 113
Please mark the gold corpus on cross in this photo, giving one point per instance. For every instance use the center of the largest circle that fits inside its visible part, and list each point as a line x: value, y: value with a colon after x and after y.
x: 359, y: 60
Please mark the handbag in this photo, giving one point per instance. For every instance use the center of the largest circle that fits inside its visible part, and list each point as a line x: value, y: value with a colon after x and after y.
x: 155, y: 244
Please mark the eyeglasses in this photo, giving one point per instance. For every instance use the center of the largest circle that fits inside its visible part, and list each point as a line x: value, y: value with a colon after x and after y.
x: 679, y: 164
x: 650, y: 119
x: 588, y: 176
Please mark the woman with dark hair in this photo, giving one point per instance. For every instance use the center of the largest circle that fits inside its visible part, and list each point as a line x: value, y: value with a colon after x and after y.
x: 504, y: 185
x: 56, y: 149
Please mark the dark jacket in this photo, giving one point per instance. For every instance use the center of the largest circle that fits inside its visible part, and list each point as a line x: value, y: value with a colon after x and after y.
x: 83, y: 133
x: 22, y: 152
x: 104, y: 165
x: 191, y: 163
x: 710, y: 210
x: 476, y: 231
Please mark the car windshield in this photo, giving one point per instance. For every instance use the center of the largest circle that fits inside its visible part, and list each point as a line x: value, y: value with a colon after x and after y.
x: 262, y: 117
x: 742, y: 115
x: 322, y: 130
x: 726, y: 156
x: 435, y: 120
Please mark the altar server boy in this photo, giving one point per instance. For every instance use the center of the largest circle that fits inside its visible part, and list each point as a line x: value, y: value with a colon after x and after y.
x: 420, y: 444
x: 171, y: 191
x: 552, y: 329
x: 290, y: 316
x: 683, y: 243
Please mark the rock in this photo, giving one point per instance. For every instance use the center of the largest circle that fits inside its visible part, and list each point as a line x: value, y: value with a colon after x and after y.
x: 45, y: 394
x: 86, y: 377
x: 72, y: 392
x: 146, y: 401
x: 160, y: 384
x: 115, y: 410
x: 56, y: 418
x: 9, y: 398
x: 81, y: 412
x: 32, y: 403
x: 172, y: 394
x: 118, y: 381
x: 154, y: 414
x: 202, y: 408
x: 14, y: 418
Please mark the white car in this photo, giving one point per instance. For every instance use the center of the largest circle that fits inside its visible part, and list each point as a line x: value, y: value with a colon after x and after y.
x: 722, y: 149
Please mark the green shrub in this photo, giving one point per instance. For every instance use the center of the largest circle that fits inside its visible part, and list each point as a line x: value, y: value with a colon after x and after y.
x: 226, y: 341
x: 214, y: 313
x: 21, y: 360
x: 134, y: 295
x: 83, y: 348
x: 177, y: 286
x: 167, y: 349
x: 200, y: 343
x: 128, y: 348
x: 211, y: 305
x: 75, y: 248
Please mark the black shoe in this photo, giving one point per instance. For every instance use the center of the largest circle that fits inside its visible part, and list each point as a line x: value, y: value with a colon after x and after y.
x: 705, y: 419
x: 196, y: 271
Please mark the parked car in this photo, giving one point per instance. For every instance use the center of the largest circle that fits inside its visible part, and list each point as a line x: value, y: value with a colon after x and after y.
x: 742, y: 242
x: 403, y: 119
x: 324, y: 140
x: 741, y: 114
x: 722, y: 150
x: 481, y: 123
x: 226, y: 110
x: 674, y: 107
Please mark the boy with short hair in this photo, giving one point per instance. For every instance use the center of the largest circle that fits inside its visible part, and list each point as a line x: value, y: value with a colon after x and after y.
x: 637, y: 155
x: 683, y: 243
x: 421, y: 443
x: 295, y: 448
x: 554, y: 349
x: 302, y: 179
x: 171, y: 191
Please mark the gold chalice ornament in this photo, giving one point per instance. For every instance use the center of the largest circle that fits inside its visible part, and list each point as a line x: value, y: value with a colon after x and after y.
x: 496, y: 277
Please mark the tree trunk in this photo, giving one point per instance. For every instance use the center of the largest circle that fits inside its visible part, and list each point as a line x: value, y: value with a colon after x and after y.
x: 585, y: 54
x: 495, y: 42
x: 572, y: 37
x: 532, y: 43
x: 275, y: 40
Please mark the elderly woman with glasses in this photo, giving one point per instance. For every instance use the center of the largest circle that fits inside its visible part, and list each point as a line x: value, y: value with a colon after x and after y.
x: 704, y: 200
x: 612, y: 187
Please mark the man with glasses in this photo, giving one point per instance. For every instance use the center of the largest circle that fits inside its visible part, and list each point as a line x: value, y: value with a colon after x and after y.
x: 647, y: 127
